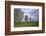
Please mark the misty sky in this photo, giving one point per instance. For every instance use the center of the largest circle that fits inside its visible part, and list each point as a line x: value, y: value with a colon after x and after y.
x: 33, y: 13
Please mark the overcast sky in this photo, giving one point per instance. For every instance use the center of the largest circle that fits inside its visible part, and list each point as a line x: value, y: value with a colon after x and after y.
x: 33, y: 13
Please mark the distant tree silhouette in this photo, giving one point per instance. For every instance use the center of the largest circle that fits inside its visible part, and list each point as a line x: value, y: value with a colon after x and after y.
x: 18, y: 14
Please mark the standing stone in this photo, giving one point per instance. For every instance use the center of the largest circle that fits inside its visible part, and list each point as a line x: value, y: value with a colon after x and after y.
x: 26, y: 18
x: 30, y: 19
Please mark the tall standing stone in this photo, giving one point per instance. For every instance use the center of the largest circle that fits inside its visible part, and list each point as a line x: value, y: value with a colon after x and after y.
x: 26, y: 18
x: 30, y: 19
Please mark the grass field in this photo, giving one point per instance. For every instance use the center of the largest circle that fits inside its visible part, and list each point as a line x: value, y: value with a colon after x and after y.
x: 26, y: 24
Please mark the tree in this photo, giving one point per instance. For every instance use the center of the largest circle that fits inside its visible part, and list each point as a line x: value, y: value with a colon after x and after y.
x: 18, y: 14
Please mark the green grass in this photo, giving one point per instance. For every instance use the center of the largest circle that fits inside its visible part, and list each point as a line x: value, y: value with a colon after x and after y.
x: 26, y: 24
